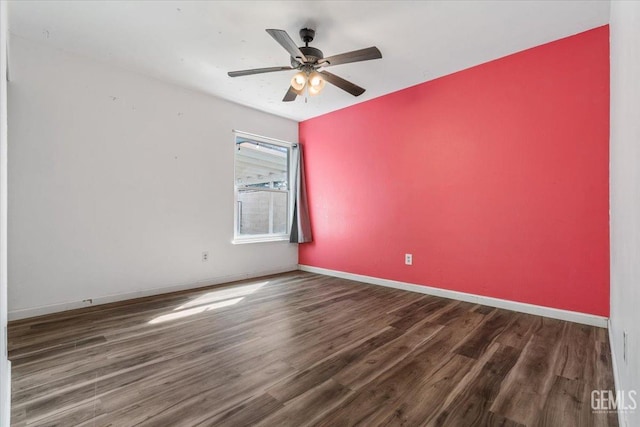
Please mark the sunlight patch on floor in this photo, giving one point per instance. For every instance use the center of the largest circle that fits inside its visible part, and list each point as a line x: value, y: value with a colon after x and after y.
x: 210, y: 301
x: 195, y: 310
x: 222, y: 294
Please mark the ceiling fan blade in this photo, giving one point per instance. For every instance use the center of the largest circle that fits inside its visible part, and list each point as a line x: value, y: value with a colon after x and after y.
x: 257, y: 71
x: 285, y: 41
x: 290, y: 95
x: 353, y: 56
x: 343, y: 84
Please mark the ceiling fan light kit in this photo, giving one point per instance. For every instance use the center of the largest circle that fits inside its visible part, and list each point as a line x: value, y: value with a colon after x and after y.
x: 313, y: 82
x: 309, y: 61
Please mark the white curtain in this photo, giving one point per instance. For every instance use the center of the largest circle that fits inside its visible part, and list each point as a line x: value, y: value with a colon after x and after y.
x: 301, y: 225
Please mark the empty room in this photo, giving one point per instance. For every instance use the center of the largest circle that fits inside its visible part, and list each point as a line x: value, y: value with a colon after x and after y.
x: 320, y: 213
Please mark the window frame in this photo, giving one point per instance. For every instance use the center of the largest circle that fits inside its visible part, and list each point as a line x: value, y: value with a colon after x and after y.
x: 269, y: 237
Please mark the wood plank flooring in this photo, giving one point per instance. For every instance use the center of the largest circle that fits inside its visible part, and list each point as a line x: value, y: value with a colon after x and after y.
x: 302, y: 349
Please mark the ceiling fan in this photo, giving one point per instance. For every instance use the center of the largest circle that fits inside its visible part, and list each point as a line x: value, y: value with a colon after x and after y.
x: 309, y: 60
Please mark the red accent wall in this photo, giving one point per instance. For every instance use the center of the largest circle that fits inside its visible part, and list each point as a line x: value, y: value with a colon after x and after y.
x: 495, y: 178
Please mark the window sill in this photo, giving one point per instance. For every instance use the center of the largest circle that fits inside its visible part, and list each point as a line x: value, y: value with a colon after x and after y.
x: 242, y: 241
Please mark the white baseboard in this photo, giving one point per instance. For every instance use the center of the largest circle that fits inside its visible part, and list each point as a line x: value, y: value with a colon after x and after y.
x: 622, y: 422
x: 55, y: 308
x: 554, y: 313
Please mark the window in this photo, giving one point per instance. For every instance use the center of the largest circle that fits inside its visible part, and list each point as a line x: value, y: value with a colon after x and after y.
x: 262, y: 189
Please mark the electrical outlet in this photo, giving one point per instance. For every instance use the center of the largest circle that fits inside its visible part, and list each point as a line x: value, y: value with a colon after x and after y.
x: 205, y: 256
x: 625, y: 346
x: 408, y: 259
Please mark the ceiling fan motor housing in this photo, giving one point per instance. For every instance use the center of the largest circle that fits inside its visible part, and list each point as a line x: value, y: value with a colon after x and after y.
x: 313, y: 56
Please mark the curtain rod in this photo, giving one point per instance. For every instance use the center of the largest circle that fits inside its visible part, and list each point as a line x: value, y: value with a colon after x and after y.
x: 265, y: 138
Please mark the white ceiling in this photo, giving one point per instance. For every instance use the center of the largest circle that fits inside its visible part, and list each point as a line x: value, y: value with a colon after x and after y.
x: 195, y: 43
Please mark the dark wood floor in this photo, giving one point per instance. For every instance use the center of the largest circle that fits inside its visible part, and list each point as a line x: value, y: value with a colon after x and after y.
x: 303, y: 349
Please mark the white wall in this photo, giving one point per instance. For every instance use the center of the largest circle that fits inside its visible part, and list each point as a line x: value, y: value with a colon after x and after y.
x: 625, y: 195
x: 5, y: 367
x: 119, y: 182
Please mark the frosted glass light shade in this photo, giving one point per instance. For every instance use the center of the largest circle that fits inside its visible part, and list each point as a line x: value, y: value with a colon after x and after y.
x: 299, y: 81
x: 313, y: 91
x: 316, y: 83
